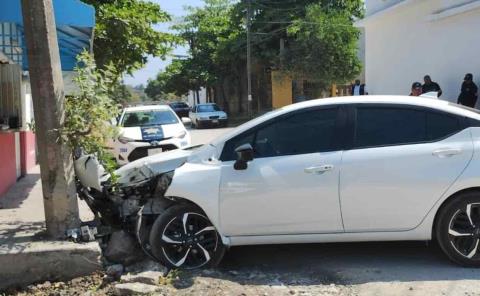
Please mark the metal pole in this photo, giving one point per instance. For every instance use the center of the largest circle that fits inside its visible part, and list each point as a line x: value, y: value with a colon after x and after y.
x: 249, y: 58
x: 56, y: 167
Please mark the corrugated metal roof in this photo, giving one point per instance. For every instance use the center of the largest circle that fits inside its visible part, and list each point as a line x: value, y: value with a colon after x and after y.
x: 75, y: 23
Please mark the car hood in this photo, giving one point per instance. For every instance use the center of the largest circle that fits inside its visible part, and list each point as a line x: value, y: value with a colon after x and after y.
x: 208, y: 114
x: 152, y: 133
x: 145, y: 168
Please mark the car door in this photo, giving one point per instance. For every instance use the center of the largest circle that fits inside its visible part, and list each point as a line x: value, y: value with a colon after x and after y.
x: 402, y: 160
x: 291, y: 186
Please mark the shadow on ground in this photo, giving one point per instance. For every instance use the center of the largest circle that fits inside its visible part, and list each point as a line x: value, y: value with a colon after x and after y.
x: 17, y: 194
x: 15, y: 237
x: 345, y: 264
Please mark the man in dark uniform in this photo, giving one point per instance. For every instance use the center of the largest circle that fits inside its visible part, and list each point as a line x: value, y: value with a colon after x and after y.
x: 416, y: 89
x: 430, y: 86
x: 468, y: 95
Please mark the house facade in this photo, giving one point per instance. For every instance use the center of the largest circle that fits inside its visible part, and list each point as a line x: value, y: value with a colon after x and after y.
x: 407, y: 39
x: 75, y: 22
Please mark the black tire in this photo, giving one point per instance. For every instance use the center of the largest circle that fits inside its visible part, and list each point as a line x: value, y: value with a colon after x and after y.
x: 199, y: 244
x: 457, y: 229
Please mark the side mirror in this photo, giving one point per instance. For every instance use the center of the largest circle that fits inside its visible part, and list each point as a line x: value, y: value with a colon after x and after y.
x: 244, y: 155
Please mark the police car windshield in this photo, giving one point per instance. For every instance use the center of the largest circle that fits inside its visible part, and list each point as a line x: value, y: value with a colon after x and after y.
x: 208, y: 108
x: 149, y: 118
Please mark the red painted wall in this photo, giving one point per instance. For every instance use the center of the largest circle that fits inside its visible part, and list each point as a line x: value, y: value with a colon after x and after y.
x: 8, y: 174
x: 28, y: 157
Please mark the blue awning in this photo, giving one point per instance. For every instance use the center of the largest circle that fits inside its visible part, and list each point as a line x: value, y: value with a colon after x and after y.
x: 75, y: 23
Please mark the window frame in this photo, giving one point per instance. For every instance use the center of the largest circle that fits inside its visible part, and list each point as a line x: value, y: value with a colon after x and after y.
x: 353, y: 108
x: 340, y: 128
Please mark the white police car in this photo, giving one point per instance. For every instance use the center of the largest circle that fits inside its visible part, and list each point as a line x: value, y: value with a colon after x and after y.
x: 148, y: 130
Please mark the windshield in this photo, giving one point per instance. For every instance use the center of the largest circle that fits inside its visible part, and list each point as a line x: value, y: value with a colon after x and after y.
x: 208, y: 108
x: 149, y: 118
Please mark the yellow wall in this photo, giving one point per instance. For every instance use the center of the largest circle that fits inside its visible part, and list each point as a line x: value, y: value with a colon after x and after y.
x: 281, y: 89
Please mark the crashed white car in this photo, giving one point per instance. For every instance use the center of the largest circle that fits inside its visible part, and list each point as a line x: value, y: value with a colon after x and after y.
x: 148, y: 130
x: 333, y: 170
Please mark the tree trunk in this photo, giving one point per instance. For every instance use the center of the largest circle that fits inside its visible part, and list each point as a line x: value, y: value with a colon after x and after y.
x: 197, y: 93
x: 240, y: 91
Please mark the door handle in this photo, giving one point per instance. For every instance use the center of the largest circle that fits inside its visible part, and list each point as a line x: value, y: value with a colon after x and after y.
x: 447, y: 152
x: 319, y: 169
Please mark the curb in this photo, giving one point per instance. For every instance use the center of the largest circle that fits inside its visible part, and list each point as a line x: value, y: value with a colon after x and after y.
x: 26, y: 263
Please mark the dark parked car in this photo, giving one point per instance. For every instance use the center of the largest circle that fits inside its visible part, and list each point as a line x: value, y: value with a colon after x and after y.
x: 180, y: 108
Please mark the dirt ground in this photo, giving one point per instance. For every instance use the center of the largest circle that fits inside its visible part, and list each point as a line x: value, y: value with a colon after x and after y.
x: 397, y: 268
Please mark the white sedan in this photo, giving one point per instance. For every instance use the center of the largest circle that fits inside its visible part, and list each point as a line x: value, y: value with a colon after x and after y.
x: 203, y: 115
x: 333, y: 170
x: 148, y: 130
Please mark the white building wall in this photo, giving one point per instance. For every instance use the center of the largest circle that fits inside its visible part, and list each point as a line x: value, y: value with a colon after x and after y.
x: 421, y: 37
x: 374, y: 6
x: 192, y: 95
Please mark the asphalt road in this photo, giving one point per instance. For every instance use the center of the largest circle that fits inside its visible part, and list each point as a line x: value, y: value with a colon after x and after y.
x: 204, y: 136
x: 377, y: 268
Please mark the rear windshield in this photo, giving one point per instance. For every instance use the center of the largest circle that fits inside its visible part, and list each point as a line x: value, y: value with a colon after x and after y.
x: 208, y: 108
x: 179, y: 105
x: 149, y: 118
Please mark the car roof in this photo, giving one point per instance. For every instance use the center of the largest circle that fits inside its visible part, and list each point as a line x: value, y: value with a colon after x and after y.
x: 147, y: 108
x: 432, y: 103
x: 206, y: 104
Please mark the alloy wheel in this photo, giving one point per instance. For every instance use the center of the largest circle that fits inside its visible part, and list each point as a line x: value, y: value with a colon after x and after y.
x: 189, y: 241
x: 464, y: 231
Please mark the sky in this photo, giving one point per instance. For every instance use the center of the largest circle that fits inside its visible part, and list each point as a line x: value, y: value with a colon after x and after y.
x: 154, y: 65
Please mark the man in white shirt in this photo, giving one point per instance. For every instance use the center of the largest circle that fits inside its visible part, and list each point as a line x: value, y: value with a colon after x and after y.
x: 359, y: 89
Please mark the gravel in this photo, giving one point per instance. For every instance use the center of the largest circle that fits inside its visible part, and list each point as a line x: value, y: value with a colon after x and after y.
x: 366, y: 269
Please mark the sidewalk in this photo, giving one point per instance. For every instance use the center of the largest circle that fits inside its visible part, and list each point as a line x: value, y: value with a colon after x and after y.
x: 26, y: 255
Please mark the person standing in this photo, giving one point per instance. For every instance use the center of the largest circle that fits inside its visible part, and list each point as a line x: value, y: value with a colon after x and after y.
x: 469, y: 92
x: 416, y: 89
x: 358, y: 89
x: 430, y: 86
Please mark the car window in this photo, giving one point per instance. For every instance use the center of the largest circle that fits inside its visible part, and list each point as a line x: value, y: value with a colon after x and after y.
x: 228, y: 152
x: 207, y: 108
x: 440, y: 126
x: 179, y: 105
x: 382, y: 126
x: 302, y: 133
x: 149, y: 118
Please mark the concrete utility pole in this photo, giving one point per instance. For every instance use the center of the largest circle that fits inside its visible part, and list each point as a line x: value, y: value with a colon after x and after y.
x: 58, y: 183
x: 249, y: 57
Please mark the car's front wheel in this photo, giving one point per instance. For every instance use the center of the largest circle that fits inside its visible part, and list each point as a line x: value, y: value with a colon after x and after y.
x: 458, y: 229
x: 183, y: 237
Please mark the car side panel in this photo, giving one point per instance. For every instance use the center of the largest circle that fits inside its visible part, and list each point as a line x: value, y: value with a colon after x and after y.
x: 470, y: 178
x: 198, y: 183
x: 393, y: 188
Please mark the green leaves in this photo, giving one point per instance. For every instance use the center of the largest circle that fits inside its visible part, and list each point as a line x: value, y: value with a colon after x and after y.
x: 125, y: 34
x: 88, y: 113
x: 324, y: 46
x: 211, y: 34
x: 320, y: 43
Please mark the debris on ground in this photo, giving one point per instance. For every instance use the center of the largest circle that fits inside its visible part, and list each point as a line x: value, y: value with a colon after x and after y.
x: 202, y: 282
